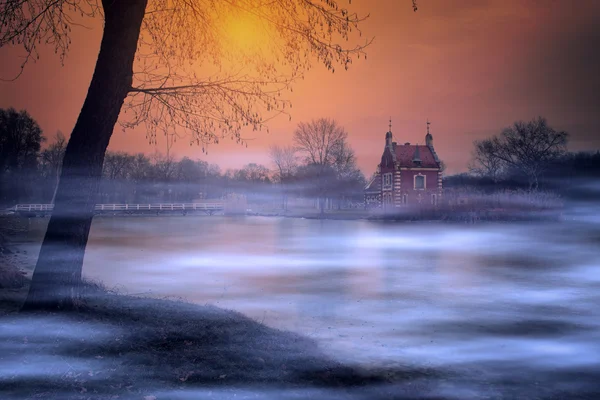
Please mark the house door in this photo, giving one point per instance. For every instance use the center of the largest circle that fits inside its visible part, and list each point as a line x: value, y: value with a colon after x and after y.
x: 387, y: 201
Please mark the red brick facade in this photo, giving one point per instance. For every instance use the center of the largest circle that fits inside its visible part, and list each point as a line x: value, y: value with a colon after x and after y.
x: 408, y: 175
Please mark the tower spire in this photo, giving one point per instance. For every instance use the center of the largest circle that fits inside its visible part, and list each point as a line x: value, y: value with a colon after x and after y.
x: 390, y: 124
x: 428, y: 123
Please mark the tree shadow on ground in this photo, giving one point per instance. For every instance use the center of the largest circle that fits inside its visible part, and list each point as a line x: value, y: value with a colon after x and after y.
x: 135, y: 347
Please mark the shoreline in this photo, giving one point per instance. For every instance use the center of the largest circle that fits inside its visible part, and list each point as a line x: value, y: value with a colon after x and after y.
x: 456, y: 217
x: 428, y: 216
x: 148, y: 348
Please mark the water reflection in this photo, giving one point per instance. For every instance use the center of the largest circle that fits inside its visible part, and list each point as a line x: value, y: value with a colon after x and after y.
x: 512, y: 301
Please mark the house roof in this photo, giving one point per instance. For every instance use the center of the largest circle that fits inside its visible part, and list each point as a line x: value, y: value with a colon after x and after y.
x: 374, y: 185
x: 405, y: 154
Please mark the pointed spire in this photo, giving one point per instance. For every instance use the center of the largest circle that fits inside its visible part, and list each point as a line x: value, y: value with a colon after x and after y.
x: 388, y: 136
x: 428, y: 137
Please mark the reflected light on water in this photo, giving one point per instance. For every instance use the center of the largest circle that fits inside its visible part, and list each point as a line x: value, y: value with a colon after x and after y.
x: 484, y: 296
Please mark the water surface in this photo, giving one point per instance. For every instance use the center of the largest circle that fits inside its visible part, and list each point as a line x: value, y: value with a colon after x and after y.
x: 517, y: 303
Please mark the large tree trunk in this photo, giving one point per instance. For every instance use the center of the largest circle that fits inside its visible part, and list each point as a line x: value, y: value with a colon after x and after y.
x: 57, y: 276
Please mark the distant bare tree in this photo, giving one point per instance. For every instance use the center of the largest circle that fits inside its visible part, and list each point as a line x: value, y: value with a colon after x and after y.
x: 286, y: 164
x: 322, y: 142
x: 165, y: 166
x: 53, y: 157
x: 349, y: 180
x: 528, y: 147
x: 190, y: 171
x: 115, y: 174
x: 317, y: 182
x: 344, y: 158
x: 484, y: 161
x: 141, y: 168
x: 285, y: 160
x: 117, y: 165
x: 140, y: 174
x: 253, y: 173
x: 319, y: 141
x: 189, y: 174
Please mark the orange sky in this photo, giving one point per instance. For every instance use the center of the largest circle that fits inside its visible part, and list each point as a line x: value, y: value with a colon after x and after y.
x: 471, y: 66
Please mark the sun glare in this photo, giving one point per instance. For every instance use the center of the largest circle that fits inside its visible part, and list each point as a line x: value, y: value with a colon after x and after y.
x: 246, y: 34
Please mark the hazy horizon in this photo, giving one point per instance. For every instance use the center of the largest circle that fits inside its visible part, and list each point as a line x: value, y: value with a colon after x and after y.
x: 471, y: 68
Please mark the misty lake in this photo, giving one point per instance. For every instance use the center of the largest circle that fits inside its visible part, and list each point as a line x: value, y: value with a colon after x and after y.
x: 514, y: 303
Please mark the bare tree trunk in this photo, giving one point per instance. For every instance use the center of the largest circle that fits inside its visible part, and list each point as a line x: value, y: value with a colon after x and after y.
x: 57, y: 277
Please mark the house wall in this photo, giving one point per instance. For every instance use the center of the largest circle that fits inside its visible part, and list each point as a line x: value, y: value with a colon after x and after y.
x: 432, y: 186
x: 387, y: 199
x: 372, y: 198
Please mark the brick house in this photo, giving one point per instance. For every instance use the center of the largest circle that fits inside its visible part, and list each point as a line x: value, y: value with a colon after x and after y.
x: 408, y: 175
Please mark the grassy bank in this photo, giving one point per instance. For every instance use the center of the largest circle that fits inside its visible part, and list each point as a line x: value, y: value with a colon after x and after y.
x: 141, y: 348
x: 14, y: 261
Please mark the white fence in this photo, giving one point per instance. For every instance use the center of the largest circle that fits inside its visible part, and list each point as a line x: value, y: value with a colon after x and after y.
x: 131, y: 207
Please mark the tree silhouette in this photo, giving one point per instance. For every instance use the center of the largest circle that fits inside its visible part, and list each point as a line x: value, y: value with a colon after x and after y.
x: 52, y: 157
x: 484, y: 162
x: 150, y: 56
x: 20, y: 143
x: 286, y: 164
x: 323, y: 143
x: 527, y: 147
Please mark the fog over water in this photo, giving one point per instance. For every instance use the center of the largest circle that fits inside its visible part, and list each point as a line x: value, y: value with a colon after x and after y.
x: 506, y: 299
x: 511, y: 308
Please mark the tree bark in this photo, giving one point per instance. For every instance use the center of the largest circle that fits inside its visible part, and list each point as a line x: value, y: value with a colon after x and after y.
x: 56, y: 280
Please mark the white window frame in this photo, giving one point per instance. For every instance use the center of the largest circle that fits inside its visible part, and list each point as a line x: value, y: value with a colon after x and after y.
x: 415, y: 182
x: 387, y: 180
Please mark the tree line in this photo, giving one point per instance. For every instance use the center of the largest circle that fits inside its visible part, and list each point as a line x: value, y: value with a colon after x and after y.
x: 319, y: 164
x: 527, y: 155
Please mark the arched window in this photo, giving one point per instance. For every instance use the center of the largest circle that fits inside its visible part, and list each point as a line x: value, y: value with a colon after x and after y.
x: 419, y: 182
